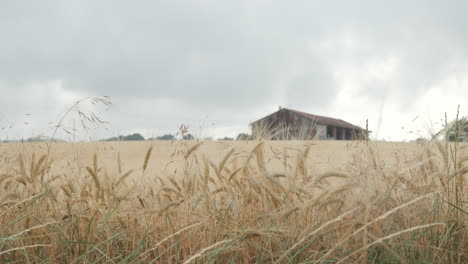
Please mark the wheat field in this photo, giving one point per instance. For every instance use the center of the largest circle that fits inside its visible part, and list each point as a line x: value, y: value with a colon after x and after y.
x: 234, y: 202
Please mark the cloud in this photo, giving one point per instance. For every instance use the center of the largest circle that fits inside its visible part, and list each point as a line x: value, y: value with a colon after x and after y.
x: 35, y: 108
x: 232, y: 62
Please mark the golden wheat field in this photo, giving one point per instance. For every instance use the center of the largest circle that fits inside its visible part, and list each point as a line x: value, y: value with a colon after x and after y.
x: 234, y: 202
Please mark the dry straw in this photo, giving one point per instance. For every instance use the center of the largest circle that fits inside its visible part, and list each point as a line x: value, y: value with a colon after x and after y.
x: 204, y: 250
x: 246, y: 202
x: 382, y: 239
x: 147, y: 157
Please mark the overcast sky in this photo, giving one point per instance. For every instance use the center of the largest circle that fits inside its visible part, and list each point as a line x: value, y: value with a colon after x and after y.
x: 218, y: 65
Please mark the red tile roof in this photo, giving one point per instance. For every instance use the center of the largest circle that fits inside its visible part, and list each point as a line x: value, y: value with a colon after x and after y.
x: 324, y: 120
x: 318, y: 119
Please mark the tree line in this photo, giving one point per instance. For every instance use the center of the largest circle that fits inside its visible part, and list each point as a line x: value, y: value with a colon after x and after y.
x: 456, y: 131
x: 169, y: 137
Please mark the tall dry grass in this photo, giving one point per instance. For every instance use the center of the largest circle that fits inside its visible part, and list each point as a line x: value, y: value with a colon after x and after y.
x: 237, y: 210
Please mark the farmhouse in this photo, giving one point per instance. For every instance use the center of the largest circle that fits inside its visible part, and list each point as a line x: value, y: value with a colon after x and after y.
x: 287, y: 124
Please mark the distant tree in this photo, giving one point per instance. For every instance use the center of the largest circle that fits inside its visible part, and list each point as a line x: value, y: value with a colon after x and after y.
x: 420, y: 139
x: 133, y: 137
x: 188, y: 137
x: 226, y: 138
x: 165, y: 137
x: 34, y: 139
x: 112, y: 139
x: 243, y: 136
x: 458, y: 130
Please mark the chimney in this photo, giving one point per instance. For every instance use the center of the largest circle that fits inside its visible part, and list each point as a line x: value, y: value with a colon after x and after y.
x: 279, y: 107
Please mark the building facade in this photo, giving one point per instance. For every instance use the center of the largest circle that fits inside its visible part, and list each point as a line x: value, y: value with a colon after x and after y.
x: 289, y: 124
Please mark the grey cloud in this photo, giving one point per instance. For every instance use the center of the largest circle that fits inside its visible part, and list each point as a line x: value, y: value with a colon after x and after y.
x: 152, y: 50
x: 311, y: 89
x: 221, y: 57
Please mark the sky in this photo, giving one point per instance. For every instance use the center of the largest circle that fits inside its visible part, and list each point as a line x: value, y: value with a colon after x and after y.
x: 219, y: 65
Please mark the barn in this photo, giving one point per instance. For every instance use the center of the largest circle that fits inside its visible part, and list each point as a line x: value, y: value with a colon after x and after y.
x: 286, y: 124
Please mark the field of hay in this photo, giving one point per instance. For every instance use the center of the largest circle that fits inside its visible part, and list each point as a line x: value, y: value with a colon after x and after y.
x: 233, y: 202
